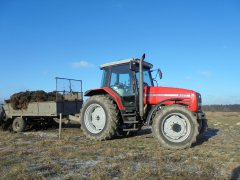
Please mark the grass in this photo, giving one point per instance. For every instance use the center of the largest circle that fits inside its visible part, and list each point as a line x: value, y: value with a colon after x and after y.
x: 41, y: 155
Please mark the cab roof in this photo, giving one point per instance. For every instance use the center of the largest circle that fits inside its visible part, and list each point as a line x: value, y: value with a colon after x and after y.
x: 125, y: 61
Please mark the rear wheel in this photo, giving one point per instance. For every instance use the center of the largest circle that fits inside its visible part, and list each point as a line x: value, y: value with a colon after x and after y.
x: 99, y: 118
x: 18, y: 124
x: 175, y: 127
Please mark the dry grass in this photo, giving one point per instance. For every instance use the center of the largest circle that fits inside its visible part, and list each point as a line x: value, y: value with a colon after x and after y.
x: 41, y: 155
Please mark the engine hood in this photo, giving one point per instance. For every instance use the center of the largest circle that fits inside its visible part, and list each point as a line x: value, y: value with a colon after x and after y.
x: 169, y: 91
x: 156, y: 95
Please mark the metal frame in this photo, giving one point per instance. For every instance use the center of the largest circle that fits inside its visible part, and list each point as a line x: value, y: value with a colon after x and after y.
x: 70, y: 86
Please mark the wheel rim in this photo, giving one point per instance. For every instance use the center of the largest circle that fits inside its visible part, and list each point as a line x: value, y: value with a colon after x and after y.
x: 17, y: 125
x: 95, y: 118
x: 176, y: 127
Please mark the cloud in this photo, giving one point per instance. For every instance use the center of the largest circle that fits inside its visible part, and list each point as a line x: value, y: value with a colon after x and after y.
x: 82, y: 64
x: 206, y: 73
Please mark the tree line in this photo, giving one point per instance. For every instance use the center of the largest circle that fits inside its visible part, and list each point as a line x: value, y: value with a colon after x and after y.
x: 222, y: 108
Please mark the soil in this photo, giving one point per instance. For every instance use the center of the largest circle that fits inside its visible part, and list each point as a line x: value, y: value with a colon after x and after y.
x: 41, y: 155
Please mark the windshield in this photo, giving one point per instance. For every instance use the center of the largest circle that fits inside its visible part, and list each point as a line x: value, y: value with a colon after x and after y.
x: 147, y: 78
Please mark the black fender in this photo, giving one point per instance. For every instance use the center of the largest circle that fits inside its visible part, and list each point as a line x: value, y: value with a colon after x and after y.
x: 93, y: 92
x: 155, y: 108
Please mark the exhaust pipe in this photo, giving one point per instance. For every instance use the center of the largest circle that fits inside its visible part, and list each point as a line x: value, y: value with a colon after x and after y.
x: 141, y: 93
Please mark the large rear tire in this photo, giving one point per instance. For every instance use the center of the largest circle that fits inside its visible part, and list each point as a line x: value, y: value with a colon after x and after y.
x: 99, y: 118
x: 175, y: 127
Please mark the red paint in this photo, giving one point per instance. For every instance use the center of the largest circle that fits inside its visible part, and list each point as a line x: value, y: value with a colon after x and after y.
x: 154, y: 95
x: 109, y: 91
x: 188, y: 98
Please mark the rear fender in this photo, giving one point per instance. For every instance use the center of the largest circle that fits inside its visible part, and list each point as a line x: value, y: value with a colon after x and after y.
x: 106, y: 90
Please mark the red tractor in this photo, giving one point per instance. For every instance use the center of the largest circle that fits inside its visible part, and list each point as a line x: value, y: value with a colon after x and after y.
x: 128, y: 99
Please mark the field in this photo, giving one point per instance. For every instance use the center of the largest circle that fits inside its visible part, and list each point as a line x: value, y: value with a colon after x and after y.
x: 39, y: 154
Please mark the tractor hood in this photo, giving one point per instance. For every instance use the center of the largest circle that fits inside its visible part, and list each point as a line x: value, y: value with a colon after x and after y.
x: 169, y: 95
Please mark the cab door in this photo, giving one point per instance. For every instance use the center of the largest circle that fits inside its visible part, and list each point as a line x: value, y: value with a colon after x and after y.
x: 121, y: 81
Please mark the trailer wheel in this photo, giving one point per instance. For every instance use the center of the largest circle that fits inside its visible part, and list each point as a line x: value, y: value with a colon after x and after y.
x: 18, y: 124
x: 5, y: 122
x: 3, y: 117
x: 175, y: 127
x: 99, y: 118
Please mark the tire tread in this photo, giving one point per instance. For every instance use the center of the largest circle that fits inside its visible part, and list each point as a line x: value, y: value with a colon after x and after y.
x: 112, y: 115
x: 156, y: 130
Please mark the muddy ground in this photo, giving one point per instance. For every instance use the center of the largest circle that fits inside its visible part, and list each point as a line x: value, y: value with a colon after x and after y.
x: 39, y: 154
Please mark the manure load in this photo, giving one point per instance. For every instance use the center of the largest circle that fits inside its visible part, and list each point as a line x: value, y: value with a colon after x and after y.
x: 22, y: 99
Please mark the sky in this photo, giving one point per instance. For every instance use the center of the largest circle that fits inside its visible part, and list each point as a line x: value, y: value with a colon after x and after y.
x: 196, y: 43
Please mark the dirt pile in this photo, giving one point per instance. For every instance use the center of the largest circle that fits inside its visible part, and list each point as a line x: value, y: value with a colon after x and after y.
x: 20, y: 100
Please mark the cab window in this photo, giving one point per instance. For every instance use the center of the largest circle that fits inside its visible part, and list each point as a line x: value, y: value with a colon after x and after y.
x: 147, y: 79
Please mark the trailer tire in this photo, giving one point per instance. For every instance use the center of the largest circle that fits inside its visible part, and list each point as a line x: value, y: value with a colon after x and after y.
x: 3, y: 117
x: 99, y: 118
x: 175, y: 127
x: 18, y: 125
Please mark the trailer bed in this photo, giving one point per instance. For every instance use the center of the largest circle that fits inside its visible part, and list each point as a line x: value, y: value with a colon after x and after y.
x: 45, y: 109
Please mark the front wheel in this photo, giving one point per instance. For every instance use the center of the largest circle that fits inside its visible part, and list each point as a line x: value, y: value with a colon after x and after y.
x: 175, y: 127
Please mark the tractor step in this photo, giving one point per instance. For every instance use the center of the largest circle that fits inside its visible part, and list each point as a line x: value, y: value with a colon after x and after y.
x: 129, y: 114
x: 131, y: 122
x: 130, y: 117
x: 134, y: 129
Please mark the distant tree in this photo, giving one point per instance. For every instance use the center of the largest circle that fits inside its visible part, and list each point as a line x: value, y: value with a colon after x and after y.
x: 222, y: 108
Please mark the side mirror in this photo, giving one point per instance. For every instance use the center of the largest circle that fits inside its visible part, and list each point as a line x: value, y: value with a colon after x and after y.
x: 160, y: 73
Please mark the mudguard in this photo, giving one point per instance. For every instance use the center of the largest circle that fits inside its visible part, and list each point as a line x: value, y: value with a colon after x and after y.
x: 154, y: 109
x: 106, y: 90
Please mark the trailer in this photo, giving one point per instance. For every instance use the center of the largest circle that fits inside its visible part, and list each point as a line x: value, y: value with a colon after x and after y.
x: 68, y: 103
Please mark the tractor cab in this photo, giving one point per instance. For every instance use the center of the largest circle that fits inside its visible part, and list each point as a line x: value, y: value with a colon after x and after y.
x: 123, y: 78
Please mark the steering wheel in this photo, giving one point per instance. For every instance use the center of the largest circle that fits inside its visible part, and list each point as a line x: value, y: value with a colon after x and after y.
x: 120, y: 88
